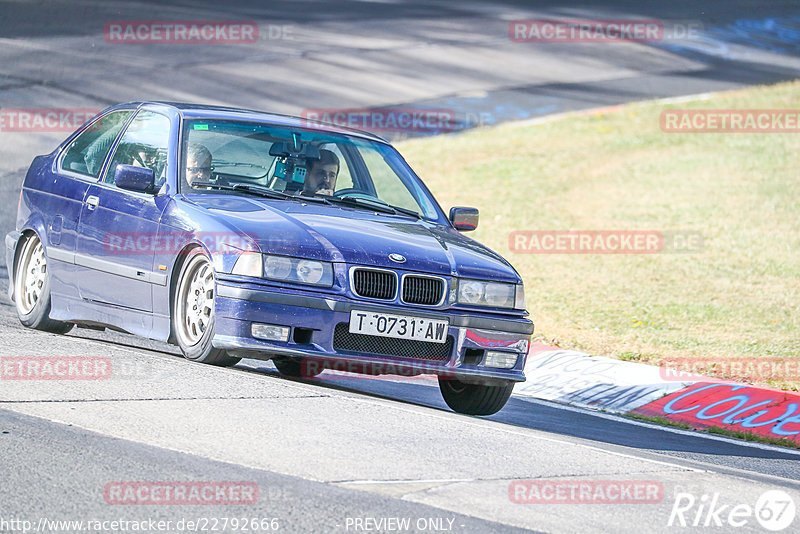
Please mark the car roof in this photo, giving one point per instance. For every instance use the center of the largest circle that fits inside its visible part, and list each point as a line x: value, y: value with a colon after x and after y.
x: 202, y: 111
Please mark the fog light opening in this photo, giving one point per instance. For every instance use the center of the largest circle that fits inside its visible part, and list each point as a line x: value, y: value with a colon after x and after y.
x: 302, y: 336
x: 473, y: 356
x: 270, y: 332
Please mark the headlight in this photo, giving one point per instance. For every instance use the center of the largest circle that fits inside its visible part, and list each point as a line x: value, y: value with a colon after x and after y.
x: 277, y: 267
x: 493, y: 294
x: 285, y: 269
x: 310, y: 272
x: 471, y: 292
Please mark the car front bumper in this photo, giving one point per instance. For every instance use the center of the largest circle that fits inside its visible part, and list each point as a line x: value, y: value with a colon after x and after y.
x: 317, y: 317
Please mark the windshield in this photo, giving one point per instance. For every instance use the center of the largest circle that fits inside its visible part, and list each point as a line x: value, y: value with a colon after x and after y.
x: 233, y: 157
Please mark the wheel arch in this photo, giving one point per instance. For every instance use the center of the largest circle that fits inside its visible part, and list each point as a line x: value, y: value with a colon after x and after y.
x: 23, y: 235
x: 173, y: 282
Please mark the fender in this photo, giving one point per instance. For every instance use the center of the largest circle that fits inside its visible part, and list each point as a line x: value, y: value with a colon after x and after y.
x: 12, y: 244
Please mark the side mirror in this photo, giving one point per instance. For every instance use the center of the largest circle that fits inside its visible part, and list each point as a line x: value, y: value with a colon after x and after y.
x: 133, y: 178
x: 464, y: 219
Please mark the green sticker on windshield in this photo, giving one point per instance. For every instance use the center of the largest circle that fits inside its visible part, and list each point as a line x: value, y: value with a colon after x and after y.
x: 201, y: 126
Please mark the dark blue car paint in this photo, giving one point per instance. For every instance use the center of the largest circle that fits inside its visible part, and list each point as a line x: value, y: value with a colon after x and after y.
x: 94, y: 283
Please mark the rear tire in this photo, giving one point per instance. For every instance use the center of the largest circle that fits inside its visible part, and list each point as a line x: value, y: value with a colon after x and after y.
x: 474, y: 399
x: 193, y: 317
x: 32, y: 289
x: 297, y: 368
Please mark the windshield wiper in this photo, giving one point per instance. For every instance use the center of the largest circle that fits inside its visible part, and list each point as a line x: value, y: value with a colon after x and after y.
x: 272, y: 193
x: 374, y: 204
x: 405, y: 211
x: 258, y: 190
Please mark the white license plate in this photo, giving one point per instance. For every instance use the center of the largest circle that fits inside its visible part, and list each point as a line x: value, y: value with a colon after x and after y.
x: 398, y: 326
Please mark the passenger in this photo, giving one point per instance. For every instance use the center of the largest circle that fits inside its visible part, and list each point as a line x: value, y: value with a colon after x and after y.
x: 198, y: 164
x: 321, y: 174
x: 145, y: 157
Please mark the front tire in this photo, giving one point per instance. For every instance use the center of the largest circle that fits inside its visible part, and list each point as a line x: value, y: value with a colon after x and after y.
x: 474, y: 399
x: 193, y: 311
x: 32, y: 289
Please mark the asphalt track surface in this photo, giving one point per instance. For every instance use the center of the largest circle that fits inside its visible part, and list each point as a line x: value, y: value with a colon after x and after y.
x: 327, y: 452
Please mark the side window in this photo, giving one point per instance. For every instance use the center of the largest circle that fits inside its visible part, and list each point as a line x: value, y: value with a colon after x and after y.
x: 86, y: 154
x: 143, y: 144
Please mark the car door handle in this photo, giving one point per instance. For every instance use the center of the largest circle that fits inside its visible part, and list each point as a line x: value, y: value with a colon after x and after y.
x: 92, y: 202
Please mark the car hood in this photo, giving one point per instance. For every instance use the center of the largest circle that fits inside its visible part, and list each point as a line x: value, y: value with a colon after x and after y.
x: 355, y: 236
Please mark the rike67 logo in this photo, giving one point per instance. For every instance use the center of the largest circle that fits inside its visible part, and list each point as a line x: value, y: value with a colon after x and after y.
x: 774, y: 510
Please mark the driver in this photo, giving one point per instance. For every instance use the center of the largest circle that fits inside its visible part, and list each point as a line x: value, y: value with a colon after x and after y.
x: 198, y: 164
x: 321, y: 174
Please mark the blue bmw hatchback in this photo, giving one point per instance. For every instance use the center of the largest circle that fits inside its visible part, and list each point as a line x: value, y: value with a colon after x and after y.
x: 239, y: 234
